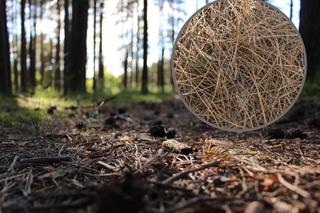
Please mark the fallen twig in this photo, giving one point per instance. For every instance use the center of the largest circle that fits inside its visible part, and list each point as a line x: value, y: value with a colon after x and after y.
x: 293, y: 188
x: 186, y: 172
x: 44, y: 160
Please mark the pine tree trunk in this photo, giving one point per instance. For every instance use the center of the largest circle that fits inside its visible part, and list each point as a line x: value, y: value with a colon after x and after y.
x: 16, y: 75
x: 101, y: 66
x: 291, y: 9
x: 144, y: 80
x: 78, y: 54
x: 137, y: 69
x: 66, y: 47
x: 94, y: 86
x: 162, y: 84
x: 125, y: 74
x: 57, y: 80
x: 42, y: 58
x: 32, y: 45
x: 23, y: 55
x: 50, y: 63
x: 310, y: 32
x: 5, y: 78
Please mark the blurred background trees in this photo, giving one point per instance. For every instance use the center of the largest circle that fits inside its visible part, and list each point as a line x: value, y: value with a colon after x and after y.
x: 61, y: 44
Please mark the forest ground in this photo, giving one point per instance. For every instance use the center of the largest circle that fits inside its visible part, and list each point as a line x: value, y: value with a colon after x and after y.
x: 113, y: 156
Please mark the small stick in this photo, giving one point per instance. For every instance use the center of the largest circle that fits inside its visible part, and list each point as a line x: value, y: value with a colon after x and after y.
x: 293, y: 188
x: 44, y: 160
x: 186, y: 172
x: 192, y: 202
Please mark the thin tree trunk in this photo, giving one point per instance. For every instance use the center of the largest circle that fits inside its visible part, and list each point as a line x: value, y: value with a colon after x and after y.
x: 125, y: 74
x: 162, y: 84
x: 310, y: 32
x: 66, y: 47
x: 42, y: 58
x: 16, y: 74
x: 32, y: 45
x: 78, y: 55
x: 94, y: 86
x: 101, y: 65
x: 5, y: 75
x: 15, y: 50
x: 23, y: 56
x: 291, y: 9
x: 132, y: 53
x: 57, y: 81
x: 50, y: 63
x: 144, y: 80
x: 137, y: 70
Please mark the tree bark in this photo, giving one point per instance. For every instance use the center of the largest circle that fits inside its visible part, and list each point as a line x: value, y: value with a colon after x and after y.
x: 291, y: 9
x: 94, y: 86
x: 57, y: 81
x: 137, y: 69
x: 125, y: 74
x: 66, y: 47
x: 32, y: 45
x: 101, y: 65
x: 42, y: 58
x: 5, y: 77
x: 144, y: 80
x: 78, y: 55
x: 23, y: 55
x: 310, y: 32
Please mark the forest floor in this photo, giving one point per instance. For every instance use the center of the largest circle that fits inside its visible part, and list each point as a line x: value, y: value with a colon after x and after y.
x: 102, y: 158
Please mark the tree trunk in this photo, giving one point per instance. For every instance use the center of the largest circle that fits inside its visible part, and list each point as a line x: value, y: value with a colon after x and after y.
x: 310, y: 32
x: 57, y: 80
x: 125, y: 74
x: 94, y: 86
x: 5, y: 76
x: 101, y: 66
x: 50, y: 63
x: 42, y: 58
x: 161, y: 73
x: 16, y: 74
x: 32, y: 45
x: 137, y: 70
x: 66, y: 47
x: 131, y: 53
x: 23, y: 55
x: 291, y: 9
x: 144, y: 80
x: 78, y: 55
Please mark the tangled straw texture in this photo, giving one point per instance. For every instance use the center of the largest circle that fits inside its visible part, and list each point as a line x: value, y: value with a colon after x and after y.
x: 239, y: 64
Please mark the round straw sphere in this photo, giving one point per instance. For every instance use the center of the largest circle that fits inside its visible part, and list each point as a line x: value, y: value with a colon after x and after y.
x: 239, y: 65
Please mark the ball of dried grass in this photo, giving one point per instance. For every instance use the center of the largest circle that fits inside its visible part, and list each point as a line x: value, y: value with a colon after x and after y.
x: 239, y: 64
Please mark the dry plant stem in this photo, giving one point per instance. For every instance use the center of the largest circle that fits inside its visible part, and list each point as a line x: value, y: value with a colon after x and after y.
x: 188, y: 171
x: 47, y: 160
x: 239, y: 64
x: 293, y: 188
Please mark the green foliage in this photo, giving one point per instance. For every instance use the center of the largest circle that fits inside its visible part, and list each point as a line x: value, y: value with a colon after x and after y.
x: 126, y: 98
x: 311, y: 91
x: 13, y: 115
